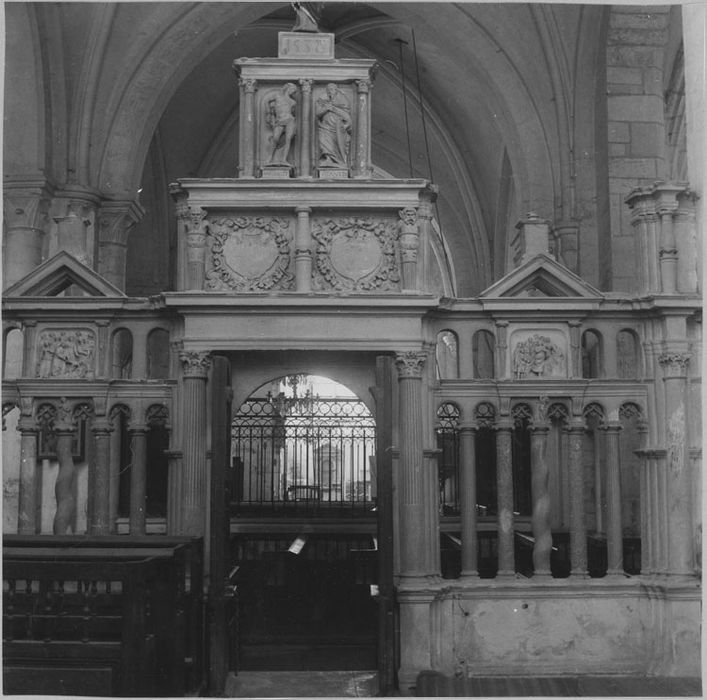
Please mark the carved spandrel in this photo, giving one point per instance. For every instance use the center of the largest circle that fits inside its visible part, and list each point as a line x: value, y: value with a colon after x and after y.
x: 249, y: 253
x: 538, y: 356
x: 66, y: 354
x: 355, y: 254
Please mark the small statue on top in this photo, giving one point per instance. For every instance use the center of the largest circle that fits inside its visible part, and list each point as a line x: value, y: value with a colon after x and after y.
x: 308, y: 15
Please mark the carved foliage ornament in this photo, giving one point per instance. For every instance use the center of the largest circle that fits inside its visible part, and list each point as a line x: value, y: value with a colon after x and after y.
x: 249, y: 254
x: 674, y: 364
x: 195, y: 364
x: 410, y: 364
x: 355, y: 254
x: 66, y: 354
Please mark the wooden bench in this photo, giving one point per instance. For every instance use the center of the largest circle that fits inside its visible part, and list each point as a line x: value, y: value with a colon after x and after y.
x: 81, y: 602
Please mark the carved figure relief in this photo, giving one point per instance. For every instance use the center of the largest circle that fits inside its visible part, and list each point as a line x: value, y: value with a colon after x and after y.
x: 281, y: 122
x: 333, y: 127
x: 66, y: 354
x: 537, y: 356
x: 249, y: 253
x: 355, y: 254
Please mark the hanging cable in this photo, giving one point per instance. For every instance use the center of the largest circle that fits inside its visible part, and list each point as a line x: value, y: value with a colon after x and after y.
x: 422, y: 107
x: 405, y: 102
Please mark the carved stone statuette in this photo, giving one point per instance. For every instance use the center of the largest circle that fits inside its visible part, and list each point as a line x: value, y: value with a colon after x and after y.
x: 333, y: 128
x: 249, y: 254
x: 66, y: 354
x: 355, y: 254
x: 537, y: 357
x: 281, y: 123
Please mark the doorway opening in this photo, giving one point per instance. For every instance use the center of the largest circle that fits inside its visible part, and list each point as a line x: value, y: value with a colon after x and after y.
x: 304, y: 527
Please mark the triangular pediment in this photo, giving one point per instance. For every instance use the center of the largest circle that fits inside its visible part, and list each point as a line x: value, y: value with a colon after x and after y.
x: 58, y: 274
x: 541, y: 276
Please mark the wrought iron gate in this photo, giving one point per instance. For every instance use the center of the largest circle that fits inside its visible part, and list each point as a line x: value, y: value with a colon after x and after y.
x: 304, y: 455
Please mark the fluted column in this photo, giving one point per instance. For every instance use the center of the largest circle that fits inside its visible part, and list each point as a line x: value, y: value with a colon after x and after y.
x: 680, y: 554
x: 467, y: 492
x: 247, y: 131
x: 504, y: 490
x: 305, y: 130
x: 195, y: 366
x: 101, y: 482
x: 667, y: 205
x: 578, y: 526
x: 138, y: 477
x: 195, y: 234
x: 409, y: 242
x: 25, y: 224
x: 614, y: 534
x: 63, y: 489
x: 115, y: 223
x: 174, y: 492
x: 540, y: 477
x: 362, y: 158
x: 303, y: 251
x: 27, y: 511
x: 412, y: 498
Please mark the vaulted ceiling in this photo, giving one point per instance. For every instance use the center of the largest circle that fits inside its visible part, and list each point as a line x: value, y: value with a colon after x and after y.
x: 493, y: 102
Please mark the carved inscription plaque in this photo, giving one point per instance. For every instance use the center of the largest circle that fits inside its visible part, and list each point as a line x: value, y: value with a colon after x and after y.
x: 66, y: 354
x: 249, y: 253
x: 355, y: 254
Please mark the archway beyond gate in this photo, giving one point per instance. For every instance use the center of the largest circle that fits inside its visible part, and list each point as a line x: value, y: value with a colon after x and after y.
x: 304, y: 542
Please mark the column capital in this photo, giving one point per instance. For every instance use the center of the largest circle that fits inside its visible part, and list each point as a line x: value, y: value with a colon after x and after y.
x: 248, y: 84
x: 27, y: 425
x: 364, y: 85
x: 135, y: 427
x: 674, y: 364
x: 611, y: 426
x: 305, y: 85
x: 504, y: 423
x: 102, y: 425
x: 195, y: 364
x: 410, y: 364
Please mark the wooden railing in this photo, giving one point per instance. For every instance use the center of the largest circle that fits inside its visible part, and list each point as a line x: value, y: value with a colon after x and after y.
x: 102, y: 616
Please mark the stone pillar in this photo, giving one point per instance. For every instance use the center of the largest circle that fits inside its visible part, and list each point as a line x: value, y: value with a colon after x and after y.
x: 680, y: 554
x: 687, y: 241
x: 138, y: 477
x: 425, y: 213
x: 27, y: 511
x: 303, y: 251
x: 174, y: 492
x: 194, y: 425
x: 614, y: 533
x: 139, y: 361
x: 504, y: 491
x: 412, y: 498
x: 72, y: 235
x: 409, y: 242
x: 64, y: 487
x: 668, y: 246
x: 533, y: 237
x: 25, y: 224
x: 432, y: 508
x: 645, y: 223
x: 305, y: 130
x: 115, y: 222
x: 467, y: 492
x: 100, y: 491
x: 195, y: 235
x: 247, y: 129
x: 578, y: 527
x: 362, y: 158
x: 540, y: 478
x: 501, y: 349
x: 567, y: 234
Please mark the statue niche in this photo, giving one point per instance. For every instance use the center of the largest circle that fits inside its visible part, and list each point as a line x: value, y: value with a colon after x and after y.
x: 280, y: 125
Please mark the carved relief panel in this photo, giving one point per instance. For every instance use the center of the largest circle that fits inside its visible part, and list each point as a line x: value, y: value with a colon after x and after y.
x: 538, y: 353
x: 355, y: 254
x: 66, y: 353
x: 249, y: 253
